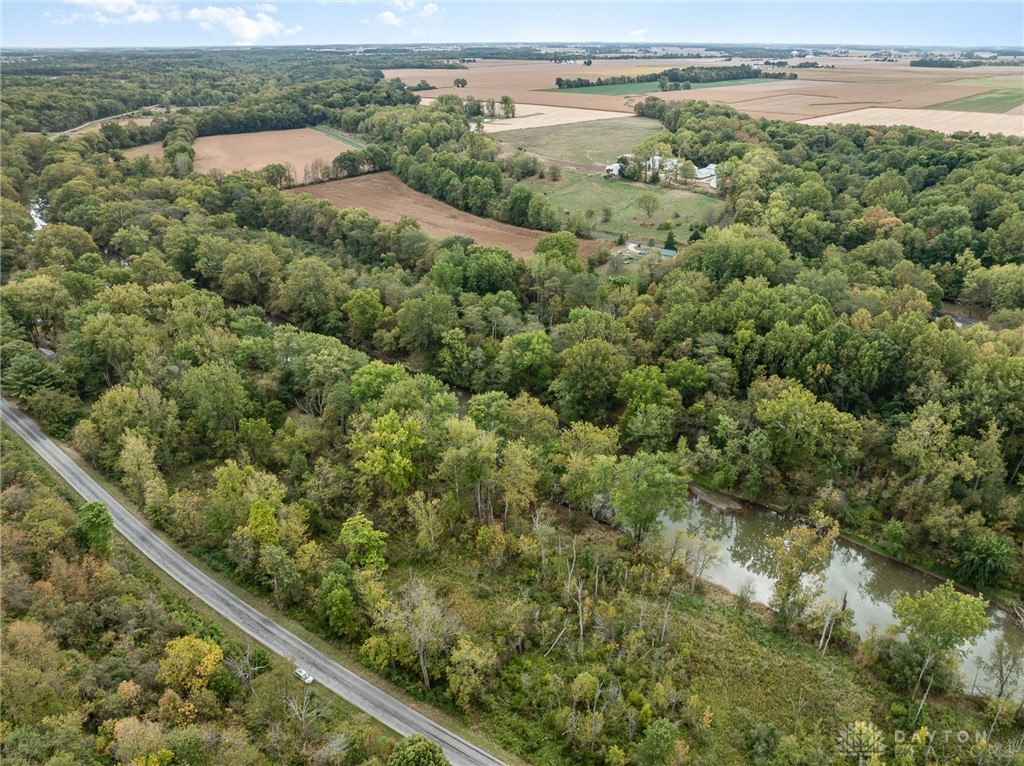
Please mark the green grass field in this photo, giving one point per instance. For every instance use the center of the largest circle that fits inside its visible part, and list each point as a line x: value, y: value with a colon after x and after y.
x: 582, y: 192
x: 999, y: 82
x: 994, y: 102
x: 599, y: 142
x: 631, y: 88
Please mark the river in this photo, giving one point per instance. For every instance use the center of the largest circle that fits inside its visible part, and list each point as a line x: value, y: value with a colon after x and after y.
x: 871, y: 582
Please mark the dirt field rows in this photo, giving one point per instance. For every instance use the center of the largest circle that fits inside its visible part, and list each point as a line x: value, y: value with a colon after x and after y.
x: 929, y: 119
x: 544, y: 116
x: 254, y: 151
x: 388, y: 199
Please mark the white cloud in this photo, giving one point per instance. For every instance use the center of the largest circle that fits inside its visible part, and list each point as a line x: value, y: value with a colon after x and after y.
x: 403, y: 5
x: 114, y: 12
x: 389, y: 18
x: 637, y: 35
x: 237, y: 21
x: 429, y: 10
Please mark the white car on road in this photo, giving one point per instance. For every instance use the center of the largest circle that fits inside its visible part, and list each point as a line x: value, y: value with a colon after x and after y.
x: 303, y: 676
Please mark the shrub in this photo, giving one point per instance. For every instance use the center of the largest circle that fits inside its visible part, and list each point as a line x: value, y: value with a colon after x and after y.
x: 985, y: 558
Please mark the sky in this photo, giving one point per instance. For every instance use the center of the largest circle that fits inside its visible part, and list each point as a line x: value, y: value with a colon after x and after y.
x: 187, y: 23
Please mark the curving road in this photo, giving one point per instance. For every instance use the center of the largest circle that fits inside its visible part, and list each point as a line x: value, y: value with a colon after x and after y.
x: 389, y: 711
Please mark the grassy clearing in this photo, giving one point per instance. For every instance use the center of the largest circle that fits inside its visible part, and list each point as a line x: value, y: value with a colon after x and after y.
x: 999, y: 82
x: 741, y: 671
x: 994, y: 102
x: 599, y: 142
x: 584, y: 192
x: 631, y: 88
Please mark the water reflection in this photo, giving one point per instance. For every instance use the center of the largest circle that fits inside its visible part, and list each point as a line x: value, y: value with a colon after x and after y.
x: 871, y: 583
x: 36, y: 211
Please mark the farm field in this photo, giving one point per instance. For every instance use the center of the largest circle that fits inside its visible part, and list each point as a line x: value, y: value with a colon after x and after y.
x: 626, y: 89
x: 581, y: 192
x: 995, y: 102
x: 254, y: 151
x: 387, y: 198
x: 154, y: 151
x: 588, y: 143
x: 840, y: 85
x: 297, y: 148
x: 930, y: 119
x: 543, y: 116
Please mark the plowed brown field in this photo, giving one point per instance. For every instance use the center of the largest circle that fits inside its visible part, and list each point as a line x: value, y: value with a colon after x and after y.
x: 387, y: 198
x: 254, y: 151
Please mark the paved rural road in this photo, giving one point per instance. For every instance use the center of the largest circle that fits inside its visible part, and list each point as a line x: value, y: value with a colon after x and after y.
x: 346, y: 684
x: 102, y: 119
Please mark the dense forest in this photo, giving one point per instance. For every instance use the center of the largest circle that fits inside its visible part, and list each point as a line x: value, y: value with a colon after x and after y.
x: 462, y: 464
x: 107, y: 83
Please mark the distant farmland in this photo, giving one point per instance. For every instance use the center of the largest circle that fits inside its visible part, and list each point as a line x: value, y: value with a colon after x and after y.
x: 387, y: 198
x: 838, y: 86
x: 930, y: 119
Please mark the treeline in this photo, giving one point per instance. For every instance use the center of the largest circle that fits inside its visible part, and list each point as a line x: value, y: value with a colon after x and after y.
x: 944, y: 63
x: 58, y: 90
x: 102, y: 665
x: 698, y: 74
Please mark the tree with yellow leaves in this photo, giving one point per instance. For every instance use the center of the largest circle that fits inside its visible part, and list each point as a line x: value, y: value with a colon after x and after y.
x: 188, y: 662
x: 802, y: 550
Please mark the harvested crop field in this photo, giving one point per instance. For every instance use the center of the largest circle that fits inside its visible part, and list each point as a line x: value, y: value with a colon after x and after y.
x: 296, y: 148
x: 544, y: 116
x: 387, y: 198
x: 929, y: 119
x: 254, y: 151
x: 839, y: 84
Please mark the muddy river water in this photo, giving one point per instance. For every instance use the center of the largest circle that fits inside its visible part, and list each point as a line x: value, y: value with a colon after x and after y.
x: 870, y: 582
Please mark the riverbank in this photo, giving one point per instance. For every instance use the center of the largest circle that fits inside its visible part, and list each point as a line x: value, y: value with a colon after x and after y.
x: 728, y: 503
